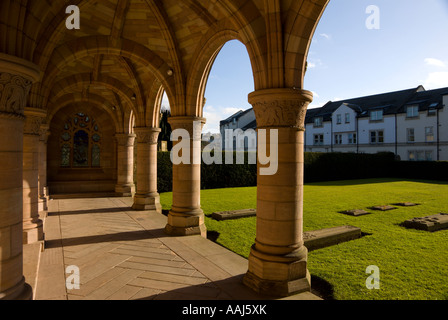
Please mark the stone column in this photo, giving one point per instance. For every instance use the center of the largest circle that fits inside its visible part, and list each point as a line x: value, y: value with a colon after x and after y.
x: 125, y: 177
x: 186, y: 216
x: 32, y: 225
x: 42, y: 183
x: 147, y: 197
x: 16, y: 77
x: 278, y: 260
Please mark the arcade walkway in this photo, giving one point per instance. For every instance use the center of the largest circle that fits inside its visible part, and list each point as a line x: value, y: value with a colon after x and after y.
x: 125, y: 255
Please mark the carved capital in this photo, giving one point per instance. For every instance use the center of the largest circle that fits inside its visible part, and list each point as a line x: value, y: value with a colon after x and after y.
x: 16, y: 77
x: 125, y: 139
x: 44, y: 132
x: 13, y: 93
x: 193, y: 125
x: 34, y: 119
x: 276, y: 108
x: 147, y: 135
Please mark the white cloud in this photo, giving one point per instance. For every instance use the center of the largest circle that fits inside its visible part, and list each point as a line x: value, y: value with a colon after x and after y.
x: 436, y: 80
x: 435, y: 62
x: 230, y: 111
x: 311, y: 65
x: 326, y: 36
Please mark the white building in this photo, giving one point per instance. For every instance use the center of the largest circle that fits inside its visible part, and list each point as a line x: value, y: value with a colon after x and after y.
x: 241, y: 126
x: 412, y: 124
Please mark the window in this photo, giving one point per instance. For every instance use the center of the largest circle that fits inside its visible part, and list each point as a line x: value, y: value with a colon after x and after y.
x: 318, y: 139
x: 377, y: 136
x: 410, y: 135
x: 429, y: 134
x: 318, y: 122
x: 418, y: 155
x: 428, y: 155
x: 376, y: 115
x: 352, y: 138
x: 412, y: 112
x: 338, y: 139
x: 432, y: 111
x: 338, y: 119
x: 80, y: 142
x: 347, y: 118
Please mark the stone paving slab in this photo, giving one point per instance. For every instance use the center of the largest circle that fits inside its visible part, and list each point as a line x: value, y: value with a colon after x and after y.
x: 125, y: 255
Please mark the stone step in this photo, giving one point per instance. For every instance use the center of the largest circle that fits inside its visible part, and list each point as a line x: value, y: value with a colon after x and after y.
x: 319, y: 239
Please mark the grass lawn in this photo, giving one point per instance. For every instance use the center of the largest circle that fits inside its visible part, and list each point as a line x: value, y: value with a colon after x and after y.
x: 413, y: 264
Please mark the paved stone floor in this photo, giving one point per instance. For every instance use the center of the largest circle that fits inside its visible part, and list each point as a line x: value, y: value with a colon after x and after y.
x: 124, y: 255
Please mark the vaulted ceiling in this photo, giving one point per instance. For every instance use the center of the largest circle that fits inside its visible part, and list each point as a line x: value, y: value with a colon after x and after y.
x: 127, y: 52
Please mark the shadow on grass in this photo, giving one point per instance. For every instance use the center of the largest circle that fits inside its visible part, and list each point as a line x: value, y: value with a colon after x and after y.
x: 322, y: 288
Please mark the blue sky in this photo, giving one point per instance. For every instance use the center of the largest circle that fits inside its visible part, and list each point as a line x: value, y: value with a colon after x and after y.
x: 346, y: 59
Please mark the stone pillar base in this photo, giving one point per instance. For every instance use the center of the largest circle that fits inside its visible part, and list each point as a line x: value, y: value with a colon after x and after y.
x: 180, y: 224
x: 22, y: 292
x: 280, y: 276
x: 147, y: 203
x: 125, y: 190
x: 34, y: 233
x: 277, y: 288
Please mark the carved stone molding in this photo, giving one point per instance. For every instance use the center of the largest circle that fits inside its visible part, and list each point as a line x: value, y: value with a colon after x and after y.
x: 147, y: 135
x: 276, y: 108
x: 193, y: 125
x: 125, y: 140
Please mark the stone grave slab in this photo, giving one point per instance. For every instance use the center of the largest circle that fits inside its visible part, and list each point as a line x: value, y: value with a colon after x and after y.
x: 406, y: 204
x: 355, y: 212
x: 383, y: 208
x: 236, y: 214
x: 329, y: 237
x: 431, y: 223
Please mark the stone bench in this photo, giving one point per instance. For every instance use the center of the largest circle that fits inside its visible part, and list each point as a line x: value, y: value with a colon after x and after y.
x: 431, y: 223
x: 329, y: 237
x: 236, y: 214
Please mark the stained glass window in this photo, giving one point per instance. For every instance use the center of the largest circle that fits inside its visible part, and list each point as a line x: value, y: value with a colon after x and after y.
x: 81, y: 149
x: 96, y: 156
x: 65, y: 155
x: 80, y: 142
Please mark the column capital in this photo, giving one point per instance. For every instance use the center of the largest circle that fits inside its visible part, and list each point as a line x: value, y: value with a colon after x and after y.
x: 125, y: 139
x: 34, y: 121
x: 191, y: 124
x: 282, y: 107
x: 16, y: 77
x: 147, y: 135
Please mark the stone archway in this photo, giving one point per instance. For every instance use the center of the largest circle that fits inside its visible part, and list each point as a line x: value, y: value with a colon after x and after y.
x: 131, y: 49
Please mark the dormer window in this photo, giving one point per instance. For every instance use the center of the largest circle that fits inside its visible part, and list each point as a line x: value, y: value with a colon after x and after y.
x: 318, y: 122
x: 412, y: 111
x: 376, y: 115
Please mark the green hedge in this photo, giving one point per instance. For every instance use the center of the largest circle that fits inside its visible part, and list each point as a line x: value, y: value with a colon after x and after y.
x: 426, y: 170
x: 319, y: 167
